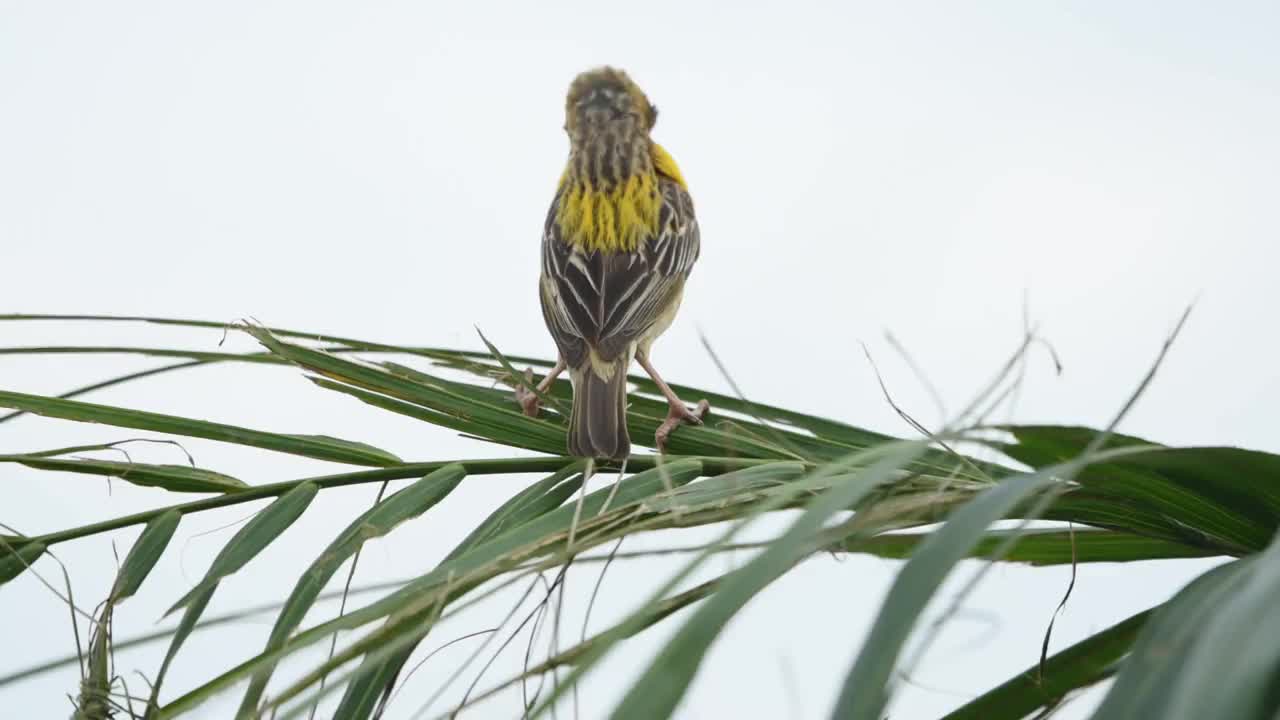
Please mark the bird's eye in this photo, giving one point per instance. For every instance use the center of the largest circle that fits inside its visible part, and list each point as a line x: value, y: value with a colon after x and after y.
x: 653, y: 115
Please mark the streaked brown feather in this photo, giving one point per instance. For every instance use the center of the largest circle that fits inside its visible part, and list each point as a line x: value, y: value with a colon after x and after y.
x: 607, y: 302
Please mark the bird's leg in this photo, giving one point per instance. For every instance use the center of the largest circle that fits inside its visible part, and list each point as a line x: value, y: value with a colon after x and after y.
x: 679, y: 412
x: 528, y: 399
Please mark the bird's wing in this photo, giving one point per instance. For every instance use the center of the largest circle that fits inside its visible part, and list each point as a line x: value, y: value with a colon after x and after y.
x: 605, y: 301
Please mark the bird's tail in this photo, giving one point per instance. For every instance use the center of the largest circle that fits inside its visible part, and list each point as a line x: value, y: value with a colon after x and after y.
x: 598, y: 425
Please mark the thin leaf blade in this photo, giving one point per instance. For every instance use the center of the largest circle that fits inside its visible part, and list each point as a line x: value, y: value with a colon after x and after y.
x: 174, y: 478
x: 314, y: 446
x: 375, y: 677
x: 254, y: 537
x: 377, y: 521
x: 144, y: 554
x: 15, y: 561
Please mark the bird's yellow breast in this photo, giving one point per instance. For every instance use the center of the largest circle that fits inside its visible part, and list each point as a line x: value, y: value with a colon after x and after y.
x: 618, y: 218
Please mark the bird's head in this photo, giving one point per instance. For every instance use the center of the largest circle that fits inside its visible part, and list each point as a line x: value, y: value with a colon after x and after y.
x: 610, y: 195
x: 605, y: 102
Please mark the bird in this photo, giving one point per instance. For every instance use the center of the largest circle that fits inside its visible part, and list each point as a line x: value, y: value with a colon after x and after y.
x: 619, y: 241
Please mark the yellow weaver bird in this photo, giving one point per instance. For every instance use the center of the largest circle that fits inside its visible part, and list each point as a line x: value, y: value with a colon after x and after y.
x: 618, y: 243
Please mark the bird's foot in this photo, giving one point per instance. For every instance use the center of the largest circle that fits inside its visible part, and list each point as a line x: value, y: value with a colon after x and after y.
x: 527, y: 398
x: 677, y: 416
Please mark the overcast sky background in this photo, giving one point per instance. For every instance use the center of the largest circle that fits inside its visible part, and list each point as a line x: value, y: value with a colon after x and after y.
x: 382, y: 170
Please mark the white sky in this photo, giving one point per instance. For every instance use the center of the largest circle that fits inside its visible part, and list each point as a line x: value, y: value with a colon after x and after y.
x: 382, y: 170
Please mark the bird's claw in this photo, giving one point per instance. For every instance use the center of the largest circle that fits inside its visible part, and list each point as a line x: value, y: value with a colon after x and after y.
x: 679, y: 415
x: 527, y: 398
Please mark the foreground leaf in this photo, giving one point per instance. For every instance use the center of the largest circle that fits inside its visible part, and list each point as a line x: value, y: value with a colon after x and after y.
x: 1040, y: 547
x: 1145, y: 685
x: 866, y: 688
x: 1212, y: 652
x: 1080, y: 665
x: 658, y: 691
x: 1234, y: 669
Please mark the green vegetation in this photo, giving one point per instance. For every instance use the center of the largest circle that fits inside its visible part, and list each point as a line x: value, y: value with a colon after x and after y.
x: 1211, y: 650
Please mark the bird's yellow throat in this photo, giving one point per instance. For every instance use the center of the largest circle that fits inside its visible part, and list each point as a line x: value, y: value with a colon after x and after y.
x: 618, y: 218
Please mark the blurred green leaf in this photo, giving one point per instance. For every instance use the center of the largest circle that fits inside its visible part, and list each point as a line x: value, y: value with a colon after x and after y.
x: 659, y: 689
x: 1039, y: 547
x: 1080, y: 665
x: 866, y: 688
x: 1212, y: 651
x: 1233, y: 668
x: 1145, y: 685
